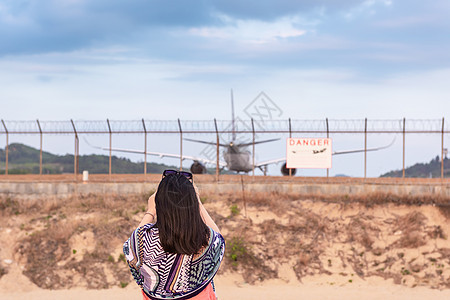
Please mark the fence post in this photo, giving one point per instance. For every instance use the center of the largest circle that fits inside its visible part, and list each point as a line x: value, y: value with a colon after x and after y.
x: 6, y: 148
x: 145, y: 148
x: 442, y: 150
x: 253, y: 149
x: 181, y: 145
x: 110, y: 147
x: 290, y: 136
x: 76, y: 152
x: 365, y: 148
x: 217, y: 150
x: 40, y: 147
x: 404, y: 133
x: 328, y: 136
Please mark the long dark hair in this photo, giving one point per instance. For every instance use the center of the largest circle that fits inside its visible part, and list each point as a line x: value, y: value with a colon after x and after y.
x: 180, y: 225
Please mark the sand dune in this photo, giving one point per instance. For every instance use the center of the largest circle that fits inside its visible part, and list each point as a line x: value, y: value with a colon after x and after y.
x: 291, y: 249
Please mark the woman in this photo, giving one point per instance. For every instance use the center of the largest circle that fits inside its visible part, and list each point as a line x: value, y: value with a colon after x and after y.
x: 177, y: 248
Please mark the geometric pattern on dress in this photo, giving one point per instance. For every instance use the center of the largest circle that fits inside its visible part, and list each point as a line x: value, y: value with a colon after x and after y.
x: 170, y: 275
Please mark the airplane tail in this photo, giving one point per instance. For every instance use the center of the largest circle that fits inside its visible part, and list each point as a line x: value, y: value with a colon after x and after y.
x: 233, y: 123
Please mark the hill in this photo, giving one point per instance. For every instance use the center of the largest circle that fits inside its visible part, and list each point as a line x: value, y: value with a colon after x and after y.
x: 423, y: 170
x: 23, y: 159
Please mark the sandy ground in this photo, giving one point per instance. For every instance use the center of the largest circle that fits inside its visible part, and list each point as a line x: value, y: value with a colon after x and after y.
x: 230, y: 287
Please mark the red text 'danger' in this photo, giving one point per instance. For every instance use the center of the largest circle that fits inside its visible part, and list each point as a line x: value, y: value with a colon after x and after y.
x: 308, y: 142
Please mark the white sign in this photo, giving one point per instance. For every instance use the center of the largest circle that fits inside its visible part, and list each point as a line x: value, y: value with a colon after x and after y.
x: 308, y: 153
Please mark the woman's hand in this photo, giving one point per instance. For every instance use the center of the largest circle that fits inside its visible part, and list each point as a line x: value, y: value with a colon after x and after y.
x: 150, y: 214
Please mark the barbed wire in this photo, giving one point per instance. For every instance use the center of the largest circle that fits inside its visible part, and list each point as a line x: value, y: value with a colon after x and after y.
x: 225, y: 126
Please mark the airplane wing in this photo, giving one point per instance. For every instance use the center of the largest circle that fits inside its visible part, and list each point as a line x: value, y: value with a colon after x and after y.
x: 362, y: 150
x: 225, y: 145
x: 162, y: 154
x: 257, y: 142
x: 270, y: 162
x: 205, y: 142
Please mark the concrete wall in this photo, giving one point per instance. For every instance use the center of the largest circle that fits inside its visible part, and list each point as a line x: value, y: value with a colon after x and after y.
x: 68, y: 189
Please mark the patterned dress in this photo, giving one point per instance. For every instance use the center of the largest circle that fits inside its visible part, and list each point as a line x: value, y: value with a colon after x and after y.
x: 163, y: 275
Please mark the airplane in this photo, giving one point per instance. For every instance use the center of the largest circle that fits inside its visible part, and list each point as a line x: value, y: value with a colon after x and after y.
x: 319, y: 151
x: 236, y: 157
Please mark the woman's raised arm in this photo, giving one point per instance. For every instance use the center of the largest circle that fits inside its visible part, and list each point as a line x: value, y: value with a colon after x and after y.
x: 150, y: 214
x: 204, y: 213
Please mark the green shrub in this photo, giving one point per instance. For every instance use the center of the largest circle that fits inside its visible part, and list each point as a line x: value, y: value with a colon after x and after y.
x: 236, y: 249
x: 234, y: 210
x: 121, y: 258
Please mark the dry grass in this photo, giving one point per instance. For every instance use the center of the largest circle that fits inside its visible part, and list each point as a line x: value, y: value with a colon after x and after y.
x: 362, y: 232
x: 241, y: 258
x: 280, y: 201
x: 3, y: 271
x: 413, y: 221
x: 445, y: 210
x: 412, y: 239
x: 9, y: 206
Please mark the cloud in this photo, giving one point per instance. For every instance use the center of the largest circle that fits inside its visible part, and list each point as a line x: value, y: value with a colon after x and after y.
x: 407, y: 21
x: 252, y: 31
x: 34, y: 26
x: 371, y: 36
x: 269, y: 10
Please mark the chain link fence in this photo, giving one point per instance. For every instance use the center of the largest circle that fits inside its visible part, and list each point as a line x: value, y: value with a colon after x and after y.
x: 224, y: 130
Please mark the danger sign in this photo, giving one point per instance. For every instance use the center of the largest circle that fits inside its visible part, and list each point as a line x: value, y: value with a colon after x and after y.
x: 308, y: 153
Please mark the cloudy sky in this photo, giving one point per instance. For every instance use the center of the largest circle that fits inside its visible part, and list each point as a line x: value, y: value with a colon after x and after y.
x: 154, y: 59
